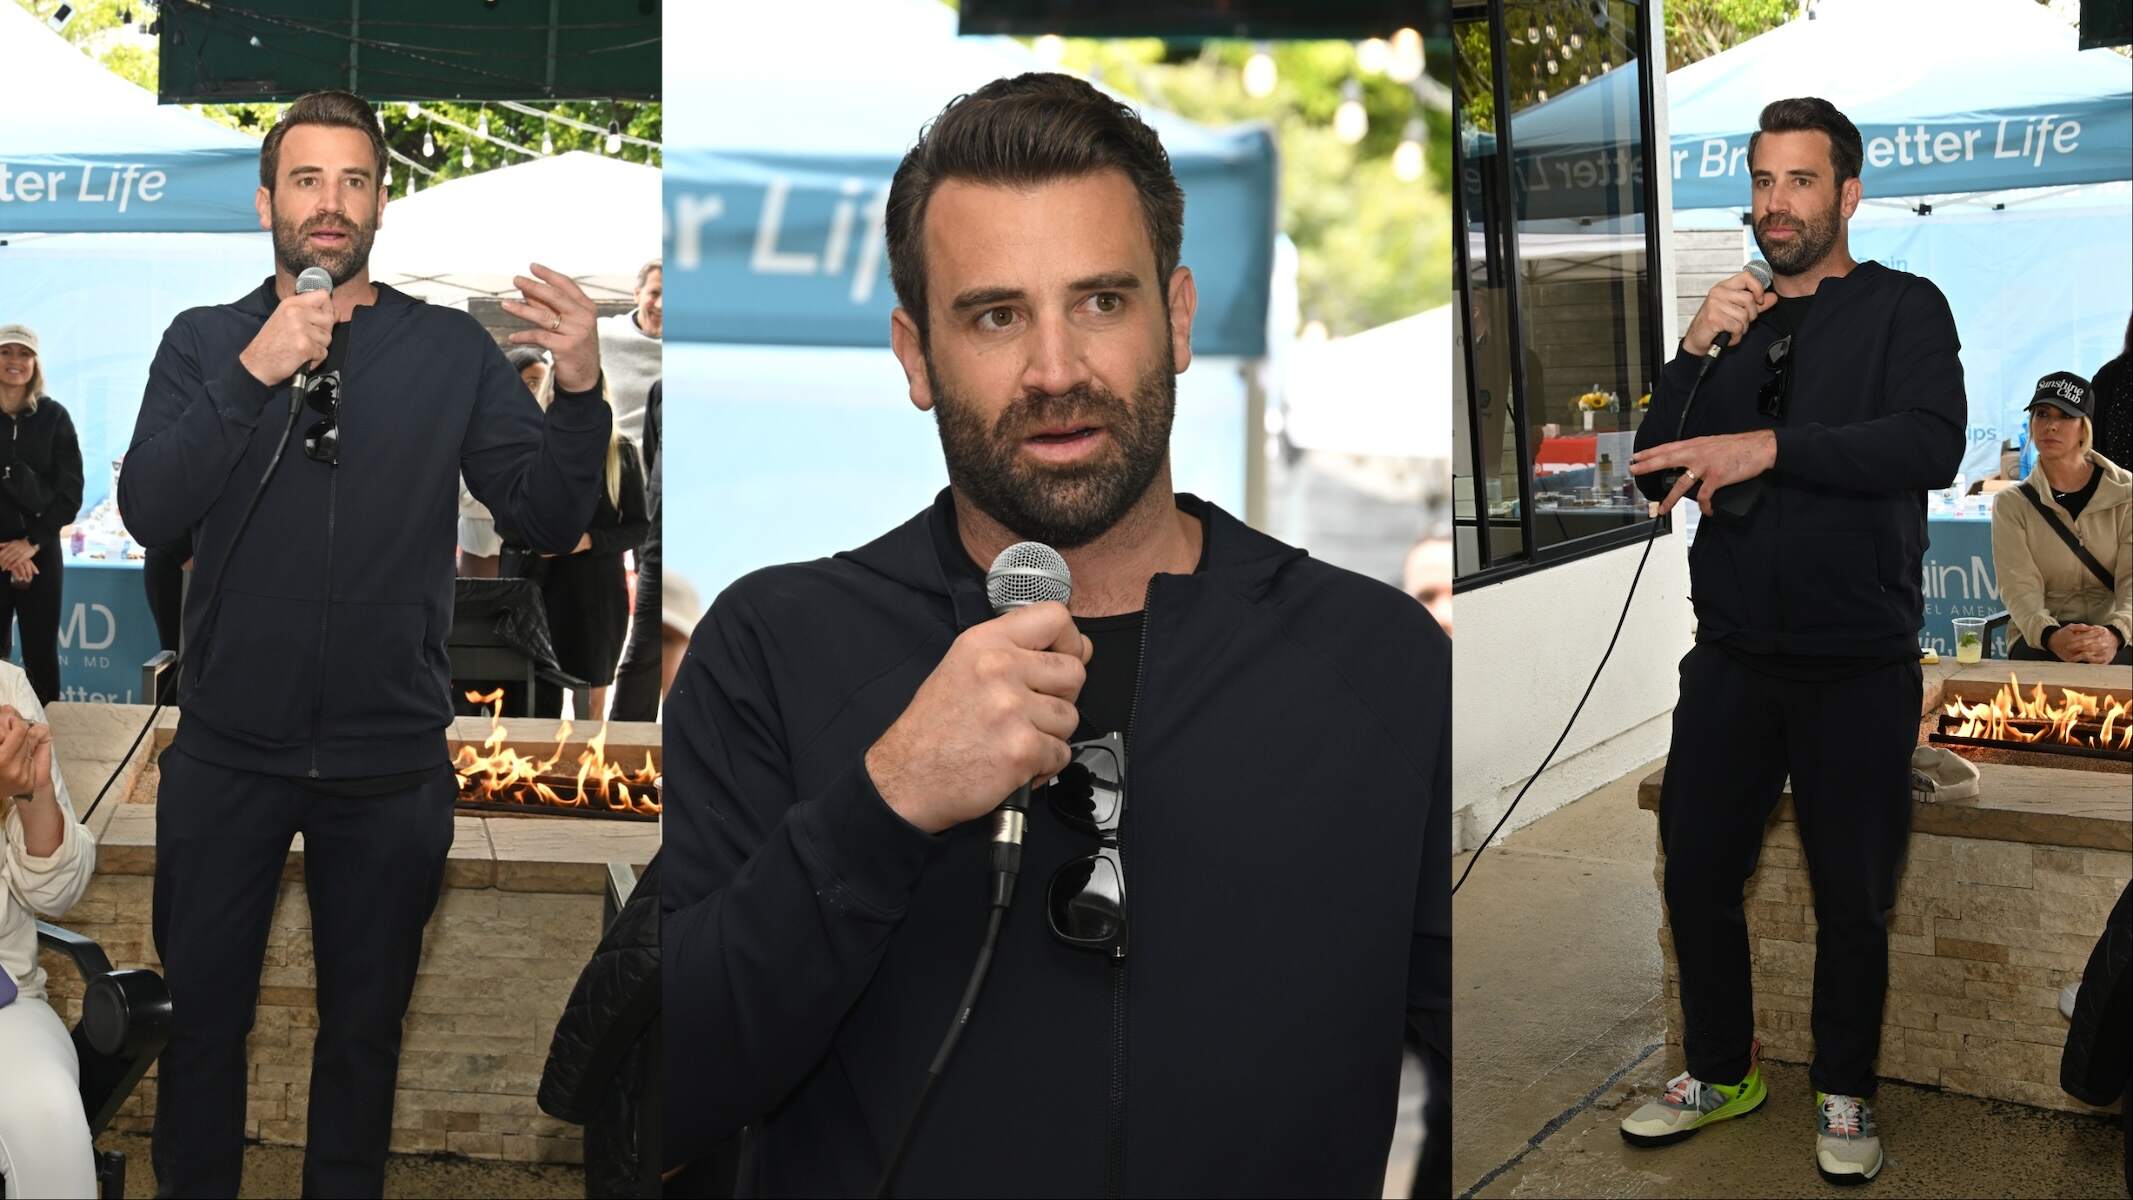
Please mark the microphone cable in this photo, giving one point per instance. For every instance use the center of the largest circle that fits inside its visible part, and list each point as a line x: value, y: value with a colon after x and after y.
x: 1680, y: 427
x: 1008, y: 825
x: 214, y: 596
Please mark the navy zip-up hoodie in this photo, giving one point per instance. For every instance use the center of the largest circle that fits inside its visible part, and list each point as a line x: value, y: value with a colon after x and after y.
x: 326, y: 659
x: 1287, y: 877
x: 1829, y: 562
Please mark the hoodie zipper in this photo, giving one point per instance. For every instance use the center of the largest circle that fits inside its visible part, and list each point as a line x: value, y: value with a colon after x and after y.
x: 325, y: 607
x: 1115, y: 1117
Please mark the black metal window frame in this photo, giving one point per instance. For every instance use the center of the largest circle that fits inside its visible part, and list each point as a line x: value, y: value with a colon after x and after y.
x: 1530, y: 558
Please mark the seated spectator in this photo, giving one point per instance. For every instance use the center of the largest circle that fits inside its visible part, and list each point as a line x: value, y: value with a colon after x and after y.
x: 2063, y: 603
x: 45, y: 862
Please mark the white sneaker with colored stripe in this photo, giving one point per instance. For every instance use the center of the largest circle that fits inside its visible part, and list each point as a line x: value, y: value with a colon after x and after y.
x: 1847, y: 1145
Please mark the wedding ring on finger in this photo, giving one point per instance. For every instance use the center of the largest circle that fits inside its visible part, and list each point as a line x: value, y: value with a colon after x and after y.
x: 555, y: 325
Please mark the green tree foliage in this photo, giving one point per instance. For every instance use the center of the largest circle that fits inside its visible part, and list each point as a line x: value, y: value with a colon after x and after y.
x: 1698, y: 29
x: 1371, y: 248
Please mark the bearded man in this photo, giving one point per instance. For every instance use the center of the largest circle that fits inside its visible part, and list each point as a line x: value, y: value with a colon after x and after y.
x: 317, y: 686
x: 1241, y: 757
x: 1840, y: 402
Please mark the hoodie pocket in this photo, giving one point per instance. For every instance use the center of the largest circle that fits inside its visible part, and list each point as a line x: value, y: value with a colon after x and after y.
x: 1831, y: 587
x: 378, y: 678
x: 259, y: 674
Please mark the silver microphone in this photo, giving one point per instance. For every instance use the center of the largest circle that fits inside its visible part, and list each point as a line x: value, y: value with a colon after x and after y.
x: 1025, y: 573
x: 1761, y: 271
x: 313, y: 279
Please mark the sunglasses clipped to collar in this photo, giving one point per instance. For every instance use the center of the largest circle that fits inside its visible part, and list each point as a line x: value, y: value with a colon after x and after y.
x: 1770, y: 400
x: 1086, y: 899
x: 322, y: 442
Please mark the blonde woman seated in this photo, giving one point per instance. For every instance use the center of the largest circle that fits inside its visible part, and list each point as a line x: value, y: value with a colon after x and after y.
x: 45, y: 863
x: 2059, y: 606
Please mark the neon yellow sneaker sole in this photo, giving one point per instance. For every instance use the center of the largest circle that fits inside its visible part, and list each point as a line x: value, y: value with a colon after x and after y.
x: 1661, y: 1123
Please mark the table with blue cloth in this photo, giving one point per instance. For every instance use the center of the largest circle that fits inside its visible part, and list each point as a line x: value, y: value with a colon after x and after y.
x: 1959, y: 579
x: 105, y: 632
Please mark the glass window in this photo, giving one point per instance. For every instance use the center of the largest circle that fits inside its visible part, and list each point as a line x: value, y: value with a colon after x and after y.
x: 1558, y: 350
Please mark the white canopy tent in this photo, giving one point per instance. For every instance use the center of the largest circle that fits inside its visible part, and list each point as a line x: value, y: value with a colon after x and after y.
x: 593, y: 218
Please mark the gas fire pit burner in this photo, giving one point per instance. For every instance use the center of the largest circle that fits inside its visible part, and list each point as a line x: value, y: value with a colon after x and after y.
x: 2079, y: 724
x: 498, y: 778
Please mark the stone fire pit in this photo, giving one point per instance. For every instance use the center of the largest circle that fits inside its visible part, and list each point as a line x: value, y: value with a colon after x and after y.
x: 520, y: 915
x: 2001, y: 900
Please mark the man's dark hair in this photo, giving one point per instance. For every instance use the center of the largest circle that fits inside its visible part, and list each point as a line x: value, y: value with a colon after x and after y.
x: 345, y: 109
x: 1805, y: 113
x: 1031, y: 129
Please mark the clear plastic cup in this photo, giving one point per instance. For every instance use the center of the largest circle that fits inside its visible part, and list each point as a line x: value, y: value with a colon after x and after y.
x: 1969, y: 639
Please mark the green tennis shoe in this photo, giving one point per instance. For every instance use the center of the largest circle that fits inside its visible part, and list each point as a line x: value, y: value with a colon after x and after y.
x: 1689, y: 1104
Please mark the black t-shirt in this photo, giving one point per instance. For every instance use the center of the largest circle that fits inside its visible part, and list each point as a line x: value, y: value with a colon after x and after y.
x: 1788, y: 313
x: 1106, y: 700
x: 2073, y: 502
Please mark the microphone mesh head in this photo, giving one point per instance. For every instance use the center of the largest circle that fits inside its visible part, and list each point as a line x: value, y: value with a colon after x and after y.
x: 1761, y: 270
x: 314, y: 279
x: 1027, y: 573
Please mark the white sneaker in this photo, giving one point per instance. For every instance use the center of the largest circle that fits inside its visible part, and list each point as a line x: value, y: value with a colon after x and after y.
x: 1847, y: 1146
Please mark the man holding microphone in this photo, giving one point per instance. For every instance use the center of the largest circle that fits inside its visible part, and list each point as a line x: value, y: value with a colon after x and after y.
x: 317, y: 682
x: 1835, y: 402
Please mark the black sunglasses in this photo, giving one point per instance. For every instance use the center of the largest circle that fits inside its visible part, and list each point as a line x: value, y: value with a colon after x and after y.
x: 1770, y: 401
x: 322, y: 442
x: 1086, y: 900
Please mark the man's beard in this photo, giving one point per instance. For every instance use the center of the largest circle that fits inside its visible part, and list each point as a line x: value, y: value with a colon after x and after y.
x: 294, y: 253
x: 1064, y: 507
x: 1813, y: 239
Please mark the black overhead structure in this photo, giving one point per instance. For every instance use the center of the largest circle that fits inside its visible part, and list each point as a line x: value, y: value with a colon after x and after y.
x: 215, y: 52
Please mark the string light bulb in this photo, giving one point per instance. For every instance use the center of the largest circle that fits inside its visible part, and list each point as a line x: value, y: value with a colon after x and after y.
x: 1260, y: 74
x: 1407, y: 156
x: 1050, y: 50
x: 1373, y: 55
x: 547, y: 140
x: 1350, y: 122
x: 429, y: 147
x: 388, y: 177
x: 482, y: 126
x: 1405, y: 65
x: 614, y: 136
x: 466, y: 156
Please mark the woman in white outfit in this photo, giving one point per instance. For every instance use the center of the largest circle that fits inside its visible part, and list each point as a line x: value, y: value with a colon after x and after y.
x: 46, y: 862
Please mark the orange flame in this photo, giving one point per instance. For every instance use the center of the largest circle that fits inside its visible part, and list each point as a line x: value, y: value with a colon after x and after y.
x: 498, y: 773
x: 2012, y: 717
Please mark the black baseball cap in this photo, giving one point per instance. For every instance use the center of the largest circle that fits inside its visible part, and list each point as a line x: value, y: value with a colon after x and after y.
x: 2067, y: 392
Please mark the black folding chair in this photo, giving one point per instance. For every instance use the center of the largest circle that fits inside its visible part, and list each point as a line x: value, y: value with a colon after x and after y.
x: 125, y: 1022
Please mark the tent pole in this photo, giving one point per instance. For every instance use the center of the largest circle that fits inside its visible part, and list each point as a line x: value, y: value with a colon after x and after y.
x: 355, y: 42
x: 1254, y: 372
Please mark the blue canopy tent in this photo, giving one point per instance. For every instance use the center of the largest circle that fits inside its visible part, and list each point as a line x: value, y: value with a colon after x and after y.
x: 775, y: 186
x: 105, y: 158
x: 115, y: 215
x: 1985, y: 96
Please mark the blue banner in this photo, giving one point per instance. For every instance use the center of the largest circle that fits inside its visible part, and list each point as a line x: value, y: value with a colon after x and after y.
x: 787, y: 249
x: 177, y: 191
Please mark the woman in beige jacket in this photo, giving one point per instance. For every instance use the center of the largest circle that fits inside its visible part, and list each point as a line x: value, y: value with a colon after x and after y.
x: 46, y: 859
x: 2058, y: 609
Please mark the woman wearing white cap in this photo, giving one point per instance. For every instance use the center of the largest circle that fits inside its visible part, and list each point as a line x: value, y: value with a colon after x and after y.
x: 46, y: 860
x: 40, y: 494
x: 2060, y: 540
